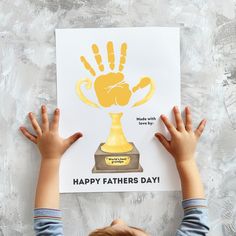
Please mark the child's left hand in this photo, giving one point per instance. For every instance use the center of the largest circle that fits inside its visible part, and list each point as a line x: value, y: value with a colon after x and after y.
x: 50, y: 144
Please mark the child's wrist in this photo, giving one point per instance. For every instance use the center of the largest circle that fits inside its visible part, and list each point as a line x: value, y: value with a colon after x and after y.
x: 55, y: 160
x: 185, y: 162
x: 186, y: 166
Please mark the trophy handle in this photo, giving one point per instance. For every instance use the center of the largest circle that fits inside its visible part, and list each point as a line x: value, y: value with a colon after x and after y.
x: 144, y: 82
x: 88, y: 85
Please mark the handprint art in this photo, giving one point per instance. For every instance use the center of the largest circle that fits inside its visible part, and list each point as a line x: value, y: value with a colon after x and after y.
x: 111, y: 88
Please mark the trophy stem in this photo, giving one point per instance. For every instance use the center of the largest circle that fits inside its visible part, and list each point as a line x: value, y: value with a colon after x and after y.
x: 116, y: 141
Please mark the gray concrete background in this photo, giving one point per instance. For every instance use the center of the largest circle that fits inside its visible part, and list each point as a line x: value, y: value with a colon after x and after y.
x: 28, y: 79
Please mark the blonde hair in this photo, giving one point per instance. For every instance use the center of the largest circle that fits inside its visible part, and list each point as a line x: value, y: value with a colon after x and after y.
x: 110, y: 231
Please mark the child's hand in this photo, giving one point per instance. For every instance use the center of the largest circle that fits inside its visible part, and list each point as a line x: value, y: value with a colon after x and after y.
x: 50, y: 144
x: 183, y: 139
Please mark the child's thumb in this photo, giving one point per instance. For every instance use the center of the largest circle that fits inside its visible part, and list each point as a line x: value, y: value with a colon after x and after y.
x: 70, y: 140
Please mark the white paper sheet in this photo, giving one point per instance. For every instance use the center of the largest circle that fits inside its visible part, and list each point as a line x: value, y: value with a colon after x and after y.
x: 152, y: 52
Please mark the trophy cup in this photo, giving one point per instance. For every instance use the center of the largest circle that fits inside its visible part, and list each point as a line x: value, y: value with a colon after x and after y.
x: 116, y: 154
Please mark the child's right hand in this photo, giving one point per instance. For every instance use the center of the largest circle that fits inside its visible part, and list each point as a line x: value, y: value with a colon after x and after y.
x: 184, y: 140
x: 47, y: 138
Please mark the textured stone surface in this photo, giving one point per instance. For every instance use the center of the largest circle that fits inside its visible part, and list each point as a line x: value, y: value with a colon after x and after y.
x: 28, y: 79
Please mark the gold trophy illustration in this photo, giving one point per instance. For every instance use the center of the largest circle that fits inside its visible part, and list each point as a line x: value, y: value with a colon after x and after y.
x: 116, y: 154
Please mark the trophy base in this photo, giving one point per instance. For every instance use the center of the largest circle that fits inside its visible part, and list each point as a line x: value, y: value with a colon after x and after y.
x: 94, y: 170
x: 117, y: 162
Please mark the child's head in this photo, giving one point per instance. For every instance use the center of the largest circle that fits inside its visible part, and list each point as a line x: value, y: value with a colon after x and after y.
x: 118, y: 228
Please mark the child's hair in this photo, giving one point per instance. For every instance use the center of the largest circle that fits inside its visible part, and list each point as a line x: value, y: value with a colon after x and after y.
x: 109, y: 231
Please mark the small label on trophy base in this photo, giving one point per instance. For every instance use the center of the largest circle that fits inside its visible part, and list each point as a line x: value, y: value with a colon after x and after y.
x: 117, y: 162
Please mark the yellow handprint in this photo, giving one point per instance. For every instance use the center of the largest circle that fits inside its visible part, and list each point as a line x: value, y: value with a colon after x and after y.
x: 111, y: 88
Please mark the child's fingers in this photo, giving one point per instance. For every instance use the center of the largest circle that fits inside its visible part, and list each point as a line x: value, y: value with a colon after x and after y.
x: 45, y: 123
x: 35, y: 124
x: 178, y: 119
x: 200, y: 128
x: 168, y: 125
x: 28, y: 135
x: 188, y: 119
x: 70, y: 140
x: 163, y: 141
x: 55, y: 121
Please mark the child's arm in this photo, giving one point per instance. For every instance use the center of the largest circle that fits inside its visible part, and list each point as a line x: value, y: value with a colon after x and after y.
x: 51, y: 147
x: 182, y: 147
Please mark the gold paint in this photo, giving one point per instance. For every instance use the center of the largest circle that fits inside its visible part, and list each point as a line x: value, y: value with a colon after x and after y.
x: 122, y: 56
x: 87, y: 66
x: 122, y: 60
x: 95, y: 48
x: 111, y: 89
x: 121, y: 68
x: 116, y: 141
x: 144, y: 82
x: 111, y: 56
x: 98, y: 57
x: 117, y: 160
x: 88, y: 85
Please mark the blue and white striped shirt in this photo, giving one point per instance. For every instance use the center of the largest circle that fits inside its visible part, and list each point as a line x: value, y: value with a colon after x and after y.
x: 194, y: 223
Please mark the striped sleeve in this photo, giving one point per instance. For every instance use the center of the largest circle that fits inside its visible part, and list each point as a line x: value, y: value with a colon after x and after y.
x: 48, y: 222
x: 195, y: 220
